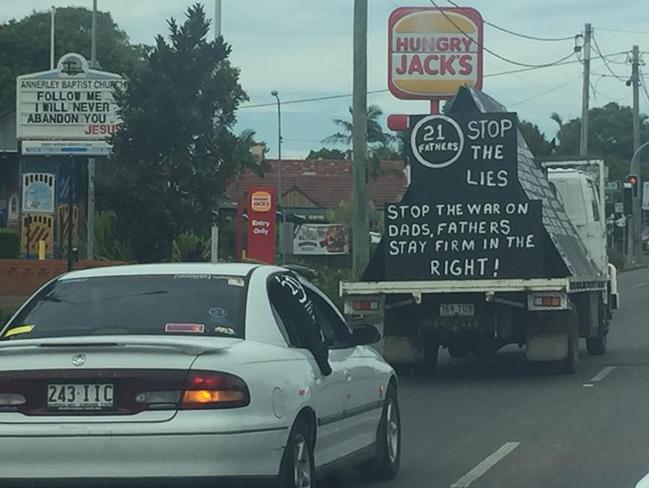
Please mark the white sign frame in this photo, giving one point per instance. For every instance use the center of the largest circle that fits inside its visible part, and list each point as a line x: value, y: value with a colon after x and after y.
x: 72, y: 102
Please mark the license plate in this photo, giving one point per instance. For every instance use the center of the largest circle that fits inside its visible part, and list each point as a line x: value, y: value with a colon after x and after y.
x: 80, y: 396
x: 453, y: 309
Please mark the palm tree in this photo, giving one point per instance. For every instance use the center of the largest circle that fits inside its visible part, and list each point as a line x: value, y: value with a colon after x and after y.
x: 375, y: 133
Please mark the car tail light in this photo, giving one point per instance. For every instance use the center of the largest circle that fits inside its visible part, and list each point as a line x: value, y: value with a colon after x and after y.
x: 214, y: 390
x: 203, y: 390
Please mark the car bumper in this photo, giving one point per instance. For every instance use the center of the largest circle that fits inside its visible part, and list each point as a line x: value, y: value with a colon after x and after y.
x: 245, y: 454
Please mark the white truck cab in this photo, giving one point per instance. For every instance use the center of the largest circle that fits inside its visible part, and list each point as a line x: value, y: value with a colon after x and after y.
x: 580, y: 196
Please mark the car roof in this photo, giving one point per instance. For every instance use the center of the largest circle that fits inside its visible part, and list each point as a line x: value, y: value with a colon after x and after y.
x: 229, y: 269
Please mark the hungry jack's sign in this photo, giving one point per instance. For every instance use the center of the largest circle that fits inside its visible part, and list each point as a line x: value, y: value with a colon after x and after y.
x: 433, y: 52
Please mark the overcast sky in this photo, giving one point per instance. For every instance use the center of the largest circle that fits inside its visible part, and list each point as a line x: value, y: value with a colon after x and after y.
x: 302, y: 48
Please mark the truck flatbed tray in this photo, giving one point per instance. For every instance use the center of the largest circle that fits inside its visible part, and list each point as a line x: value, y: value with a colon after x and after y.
x: 459, y: 286
x: 568, y: 285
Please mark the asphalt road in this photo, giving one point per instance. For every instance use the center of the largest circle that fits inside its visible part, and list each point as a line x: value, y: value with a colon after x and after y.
x: 507, y: 426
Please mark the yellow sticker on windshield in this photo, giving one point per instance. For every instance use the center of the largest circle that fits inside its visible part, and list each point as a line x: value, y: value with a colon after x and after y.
x: 22, y: 329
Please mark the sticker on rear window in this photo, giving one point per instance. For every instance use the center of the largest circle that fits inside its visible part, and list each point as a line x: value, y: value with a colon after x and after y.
x: 240, y: 282
x: 21, y: 329
x: 218, y: 313
x: 224, y: 330
x: 185, y: 328
x: 194, y: 277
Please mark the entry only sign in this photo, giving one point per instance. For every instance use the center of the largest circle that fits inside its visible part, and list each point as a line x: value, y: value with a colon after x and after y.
x: 433, y: 52
x: 464, y: 215
x: 72, y: 102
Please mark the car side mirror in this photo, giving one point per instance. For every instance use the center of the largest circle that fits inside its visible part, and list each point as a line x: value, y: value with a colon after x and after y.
x: 365, y: 335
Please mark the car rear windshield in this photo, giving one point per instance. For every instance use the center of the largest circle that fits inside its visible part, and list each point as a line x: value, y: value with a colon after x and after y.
x: 190, y: 305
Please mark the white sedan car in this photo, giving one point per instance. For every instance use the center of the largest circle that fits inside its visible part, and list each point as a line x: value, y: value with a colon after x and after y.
x: 191, y: 371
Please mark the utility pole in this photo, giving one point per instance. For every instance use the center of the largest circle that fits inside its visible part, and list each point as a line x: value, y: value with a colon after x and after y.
x: 583, y: 140
x: 360, y: 218
x: 635, y: 162
x: 214, y: 241
x: 92, y: 163
x: 217, y: 18
x: 52, y: 36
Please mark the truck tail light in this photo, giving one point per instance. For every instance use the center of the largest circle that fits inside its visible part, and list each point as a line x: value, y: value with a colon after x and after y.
x: 365, y: 305
x: 542, y: 301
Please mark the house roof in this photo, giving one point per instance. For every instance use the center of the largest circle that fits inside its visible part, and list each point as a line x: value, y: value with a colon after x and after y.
x: 326, y: 183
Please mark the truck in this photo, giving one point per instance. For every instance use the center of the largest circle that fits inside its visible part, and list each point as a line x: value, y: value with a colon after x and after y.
x: 488, y: 247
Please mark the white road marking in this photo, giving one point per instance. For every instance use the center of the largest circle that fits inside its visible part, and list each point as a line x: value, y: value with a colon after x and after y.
x: 588, y: 385
x: 488, y: 463
x: 602, y: 374
x: 638, y: 285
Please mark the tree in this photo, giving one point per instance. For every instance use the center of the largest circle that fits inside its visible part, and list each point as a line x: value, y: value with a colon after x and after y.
x: 175, y: 151
x: 535, y: 139
x: 25, y: 46
x: 610, y: 136
x: 326, y: 153
x: 381, y: 144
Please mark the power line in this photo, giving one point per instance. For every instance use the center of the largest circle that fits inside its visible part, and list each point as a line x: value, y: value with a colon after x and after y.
x: 558, y: 87
x: 518, y: 34
x: 644, y: 86
x: 608, y: 67
x: 495, y: 54
x: 644, y: 33
x: 305, y: 100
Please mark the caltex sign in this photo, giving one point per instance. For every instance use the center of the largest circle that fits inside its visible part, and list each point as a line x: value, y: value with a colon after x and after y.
x: 433, y: 52
x: 72, y: 102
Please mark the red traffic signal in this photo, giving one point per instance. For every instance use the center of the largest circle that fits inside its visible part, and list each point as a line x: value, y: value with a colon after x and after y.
x: 634, y: 181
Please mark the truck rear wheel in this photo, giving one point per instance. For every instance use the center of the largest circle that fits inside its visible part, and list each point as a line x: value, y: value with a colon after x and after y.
x: 596, y: 346
x: 572, y: 359
x: 458, y: 351
x: 429, y: 362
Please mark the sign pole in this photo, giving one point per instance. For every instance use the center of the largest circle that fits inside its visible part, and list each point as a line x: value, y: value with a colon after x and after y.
x: 360, y: 217
x: 92, y: 163
x: 71, y: 189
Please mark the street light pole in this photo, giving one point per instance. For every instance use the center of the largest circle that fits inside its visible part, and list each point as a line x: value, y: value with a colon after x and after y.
x: 279, y: 150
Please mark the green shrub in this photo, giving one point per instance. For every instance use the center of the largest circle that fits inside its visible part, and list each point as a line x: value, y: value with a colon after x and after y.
x: 9, y: 244
x: 107, y: 245
x: 188, y: 247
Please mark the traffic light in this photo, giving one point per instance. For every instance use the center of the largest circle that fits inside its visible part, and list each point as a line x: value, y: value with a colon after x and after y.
x: 634, y: 181
x: 627, y: 199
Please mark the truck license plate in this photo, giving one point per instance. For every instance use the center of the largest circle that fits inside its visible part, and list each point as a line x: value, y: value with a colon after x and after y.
x: 80, y: 397
x: 453, y: 309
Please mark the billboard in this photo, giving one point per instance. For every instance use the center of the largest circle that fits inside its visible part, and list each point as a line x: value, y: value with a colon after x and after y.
x: 433, y: 52
x: 72, y: 102
x: 261, y: 225
x: 321, y: 239
x: 465, y: 214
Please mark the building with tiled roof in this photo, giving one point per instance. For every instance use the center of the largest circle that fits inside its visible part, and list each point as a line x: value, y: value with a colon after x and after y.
x: 312, y: 186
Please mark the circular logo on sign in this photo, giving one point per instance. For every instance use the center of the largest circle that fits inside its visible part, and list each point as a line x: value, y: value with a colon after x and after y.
x: 261, y: 201
x: 436, y: 141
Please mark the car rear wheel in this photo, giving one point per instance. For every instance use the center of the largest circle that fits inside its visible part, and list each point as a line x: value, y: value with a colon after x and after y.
x: 297, y: 470
x: 385, y: 463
